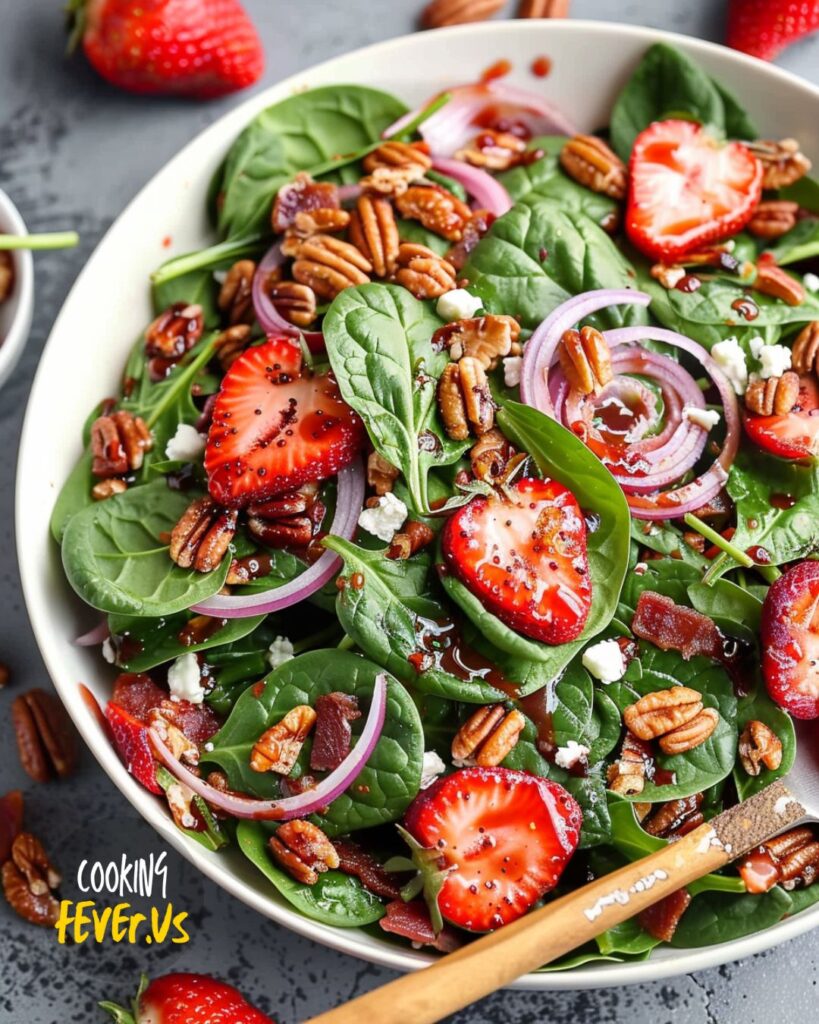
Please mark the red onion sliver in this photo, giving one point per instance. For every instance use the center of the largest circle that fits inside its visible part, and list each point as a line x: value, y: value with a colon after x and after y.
x: 349, y: 502
x: 270, y: 319
x: 308, y: 802
x: 94, y: 636
x: 486, y: 192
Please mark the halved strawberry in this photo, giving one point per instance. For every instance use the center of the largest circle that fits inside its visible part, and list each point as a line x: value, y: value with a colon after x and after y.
x: 794, y: 436
x: 503, y: 837
x: 523, y: 553
x: 274, y: 429
x: 132, y: 743
x: 687, y: 189
x: 764, y: 28
x: 790, y: 640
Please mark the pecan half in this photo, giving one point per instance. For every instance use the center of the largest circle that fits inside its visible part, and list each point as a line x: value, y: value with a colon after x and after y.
x: 496, y: 151
x: 374, y: 232
x: 691, y: 734
x: 675, y: 818
x: 6, y: 274
x: 235, y: 299
x: 277, y: 749
x: 231, y: 343
x: 381, y: 475
x: 464, y: 399
x: 773, y: 218
x: 440, y: 13
x: 303, y: 850
x: 315, y: 222
x: 423, y: 272
x: 661, y: 712
x: 118, y: 444
x: 775, y: 396
x: 782, y: 162
x: 288, y: 520
x: 295, y: 302
x: 759, y: 746
x: 29, y: 880
x: 487, y: 736
x: 773, y: 280
x: 486, y: 338
x: 439, y: 211
x: 805, y: 355
x: 588, y: 160
x: 627, y: 775
x: 302, y: 195
x: 175, y: 331
x: 413, y: 537
x: 328, y: 265
x: 108, y: 488
x: 202, y: 536
x: 393, y: 166
x: 46, y: 741
x: 585, y: 359
x: 489, y: 455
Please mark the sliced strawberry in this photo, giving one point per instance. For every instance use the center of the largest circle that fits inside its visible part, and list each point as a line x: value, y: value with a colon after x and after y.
x: 134, y: 748
x: 790, y: 640
x: 687, y: 189
x: 794, y: 436
x: 273, y: 429
x: 187, y: 999
x: 764, y: 28
x: 504, y: 838
x: 137, y: 694
x: 523, y: 553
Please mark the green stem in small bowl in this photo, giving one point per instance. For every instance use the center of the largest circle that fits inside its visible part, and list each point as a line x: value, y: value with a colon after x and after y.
x: 53, y: 240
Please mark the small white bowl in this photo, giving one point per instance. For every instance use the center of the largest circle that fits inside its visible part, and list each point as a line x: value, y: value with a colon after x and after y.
x: 16, y: 311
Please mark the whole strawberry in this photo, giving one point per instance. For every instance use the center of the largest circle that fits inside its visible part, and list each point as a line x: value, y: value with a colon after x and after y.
x: 764, y: 28
x: 198, y: 48
x: 186, y: 999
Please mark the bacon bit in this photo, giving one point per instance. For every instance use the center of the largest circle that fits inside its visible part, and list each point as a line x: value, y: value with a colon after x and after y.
x: 333, y: 736
x: 198, y: 722
x: 411, y: 921
x: 671, y: 627
x: 661, y: 919
x: 354, y: 860
x: 137, y: 694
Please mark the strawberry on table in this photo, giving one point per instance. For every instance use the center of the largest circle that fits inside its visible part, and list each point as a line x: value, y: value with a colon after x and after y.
x: 790, y: 640
x: 275, y: 428
x: 186, y: 999
x: 687, y: 189
x: 764, y: 28
x: 523, y: 553
x: 502, y: 840
x: 794, y: 435
x: 198, y: 48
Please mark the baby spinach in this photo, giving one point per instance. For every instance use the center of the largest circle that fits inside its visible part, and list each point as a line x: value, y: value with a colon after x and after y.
x: 800, y: 243
x: 697, y: 769
x: 669, y: 577
x: 114, y: 558
x: 74, y: 495
x: 379, y: 343
x: 538, y: 255
x: 297, y: 134
x: 626, y: 937
x: 197, y: 287
x: 666, y: 539
x: 721, y: 917
x: 734, y: 609
x: 392, y: 775
x: 337, y: 900
x: 585, y: 713
x: 759, y: 707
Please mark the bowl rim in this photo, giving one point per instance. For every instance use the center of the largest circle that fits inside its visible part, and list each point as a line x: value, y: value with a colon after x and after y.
x: 17, y: 334
x: 599, y: 975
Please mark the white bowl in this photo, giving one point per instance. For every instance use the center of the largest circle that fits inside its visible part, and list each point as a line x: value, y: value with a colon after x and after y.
x: 15, y: 312
x: 114, y: 285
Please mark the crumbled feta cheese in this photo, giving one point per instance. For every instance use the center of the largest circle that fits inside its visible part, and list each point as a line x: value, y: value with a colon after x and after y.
x: 431, y: 767
x: 384, y: 519
x: 571, y: 754
x: 811, y: 282
x: 459, y: 304
x: 208, y: 746
x: 756, y: 345
x: 705, y: 418
x: 641, y: 568
x: 186, y: 444
x: 775, y: 360
x: 108, y: 650
x: 280, y: 651
x: 730, y: 359
x: 511, y: 370
x: 185, y: 679
x: 605, y: 661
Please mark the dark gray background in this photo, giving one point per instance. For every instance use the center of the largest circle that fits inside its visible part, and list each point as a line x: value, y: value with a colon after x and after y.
x: 72, y: 153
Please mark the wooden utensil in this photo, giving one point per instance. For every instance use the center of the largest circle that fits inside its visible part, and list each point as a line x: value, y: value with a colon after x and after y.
x: 493, y: 961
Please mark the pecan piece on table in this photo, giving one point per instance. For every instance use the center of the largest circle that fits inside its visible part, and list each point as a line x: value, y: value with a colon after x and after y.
x: 486, y: 338
x: 439, y: 211
x: 773, y: 280
x: 235, y: 299
x: 805, y: 355
x: 6, y: 274
x: 302, y: 195
x: 374, y: 232
x: 295, y: 302
x: 175, y: 331
x: 46, y: 741
x: 202, y: 536
x: 487, y: 736
x: 759, y: 747
x: 333, y: 734
x: 496, y: 151
x: 231, y: 343
x: 29, y: 881
x: 440, y: 13
x: 464, y: 399
x: 423, y: 272
x: 277, y: 749
x: 589, y: 161
x: 118, y: 444
x: 773, y: 218
x: 413, y: 536
x: 775, y: 396
x: 585, y: 360
x: 303, y: 850
x: 328, y: 265
x: 782, y: 162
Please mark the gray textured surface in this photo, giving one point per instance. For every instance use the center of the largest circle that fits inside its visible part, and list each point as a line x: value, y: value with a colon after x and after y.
x: 72, y: 152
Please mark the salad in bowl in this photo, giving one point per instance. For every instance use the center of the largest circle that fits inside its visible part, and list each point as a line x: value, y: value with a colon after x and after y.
x: 452, y: 529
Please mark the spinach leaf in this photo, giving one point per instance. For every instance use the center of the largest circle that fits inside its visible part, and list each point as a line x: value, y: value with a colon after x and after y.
x: 666, y: 539
x: 669, y: 577
x: 800, y: 243
x: 74, y: 496
x: 705, y: 765
x: 759, y: 706
x: 538, y: 255
x: 805, y: 192
x: 336, y: 899
x: 379, y: 343
x: 197, y: 287
x: 801, y: 899
x: 114, y: 558
x: 300, y: 133
x: 720, y: 917
x: 585, y: 713
x: 728, y: 604
x: 626, y: 937
x: 392, y: 775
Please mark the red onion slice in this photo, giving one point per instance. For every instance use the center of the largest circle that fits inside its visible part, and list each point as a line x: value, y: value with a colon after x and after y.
x: 99, y: 634
x: 308, y: 802
x: 487, y: 193
x: 349, y: 502
x: 270, y: 319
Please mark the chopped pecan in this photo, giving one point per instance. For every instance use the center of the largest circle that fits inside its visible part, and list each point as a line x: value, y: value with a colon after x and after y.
x: 775, y: 396
x: 175, y: 331
x: 773, y: 218
x: 805, y: 355
x: 235, y: 299
x: 295, y: 302
x: 328, y: 265
x: 662, y: 711
x: 489, y: 455
x: 182, y: 748
x: 782, y: 162
x: 585, y: 360
x: 302, y: 195
x: 487, y: 338
x: 393, y: 166
x: 202, y: 536
x: 316, y: 222
x: 668, y: 274
x: 464, y: 399
x: 591, y: 162
x: 675, y: 818
x: 303, y: 850
x: 474, y: 230
x: 440, y: 13
x: 108, y: 488
x: 231, y: 343
x: 439, y: 211
x: 759, y: 745
x: 496, y: 151
x: 423, y: 272
x: 773, y: 280
x: 690, y: 734
x: 381, y: 475
x: 46, y: 741
x: 277, y: 749
x: 374, y: 232
x: 627, y: 775
x: 180, y: 802
x: 660, y: 920
x: 251, y: 567
x: 413, y: 537
x: 29, y: 880
x: 333, y: 735
x: 118, y: 443
x: 487, y: 736
x: 6, y: 274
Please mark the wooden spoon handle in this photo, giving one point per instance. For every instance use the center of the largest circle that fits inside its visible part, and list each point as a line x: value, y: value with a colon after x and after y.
x: 538, y: 938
